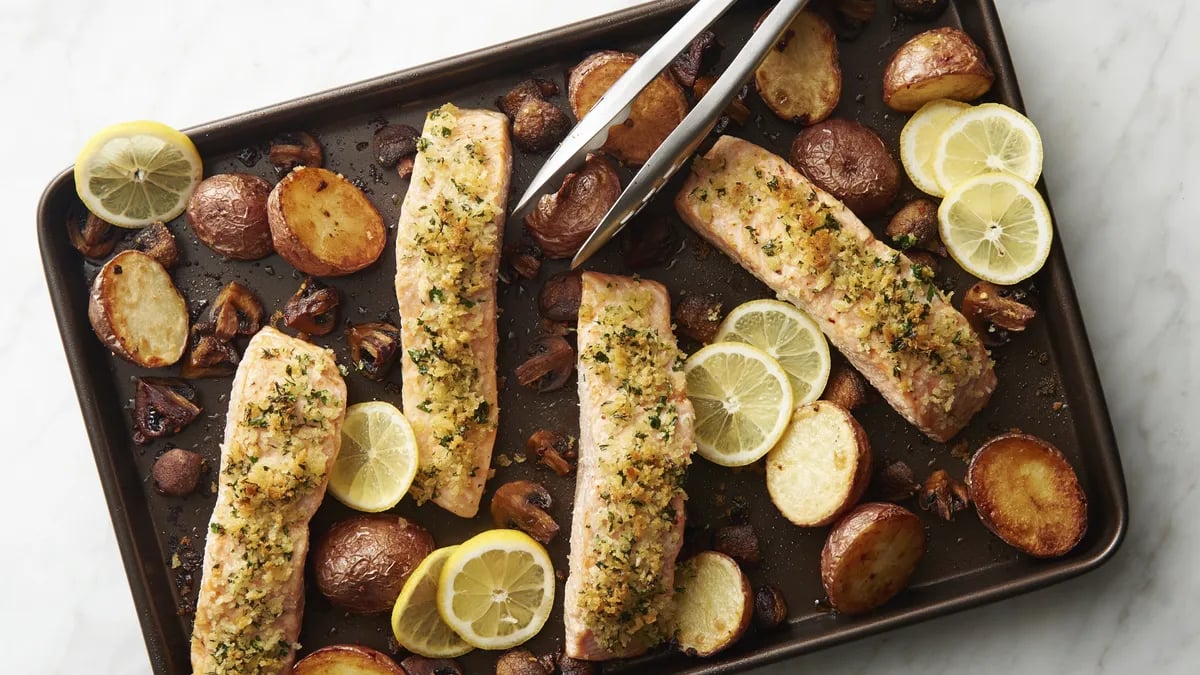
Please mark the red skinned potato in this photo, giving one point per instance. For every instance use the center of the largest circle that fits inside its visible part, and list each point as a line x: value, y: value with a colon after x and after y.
x: 869, y: 556
x: 137, y: 312
x: 849, y: 161
x: 714, y: 603
x: 800, y: 79
x: 347, y: 660
x: 821, y: 466
x: 1026, y: 493
x: 562, y: 221
x: 362, y: 562
x: 939, y: 63
x: 228, y: 213
x: 655, y: 113
x: 323, y: 225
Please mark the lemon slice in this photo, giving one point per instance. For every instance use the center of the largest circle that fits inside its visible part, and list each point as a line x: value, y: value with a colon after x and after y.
x: 135, y: 173
x: 787, y: 334
x: 997, y: 227
x: 984, y: 139
x: 919, y: 139
x: 496, y: 590
x: 378, y: 459
x: 743, y: 402
x: 415, y: 620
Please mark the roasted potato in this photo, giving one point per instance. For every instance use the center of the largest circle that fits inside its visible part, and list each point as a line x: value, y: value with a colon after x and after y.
x: 869, y: 556
x: 800, y: 79
x: 346, y: 660
x: 820, y: 467
x: 562, y: 221
x: 849, y: 161
x: 713, y: 603
x: 323, y: 225
x: 654, y: 115
x: 939, y: 63
x: 1026, y: 492
x: 137, y: 312
x: 228, y: 212
x: 361, y: 563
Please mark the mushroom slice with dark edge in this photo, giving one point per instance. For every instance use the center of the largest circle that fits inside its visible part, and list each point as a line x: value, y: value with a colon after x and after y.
x: 373, y: 347
x: 987, y: 309
x: 421, y: 665
x: 236, y: 311
x: 295, y: 148
x: 393, y: 142
x: 943, y: 495
x: 312, y: 309
x: 90, y: 235
x: 698, y: 316
x: 522, y: 505
x: 162, y: 406
x: 208, y: 355
x: 561, y: 222
x: 177, y: 472
x: 770, y: 607
x: 156, y: 241
x: 553, y: 449
x: 524, y: 257
x: 549, y: 366
x: 560, y: 297
x: 695, y: 58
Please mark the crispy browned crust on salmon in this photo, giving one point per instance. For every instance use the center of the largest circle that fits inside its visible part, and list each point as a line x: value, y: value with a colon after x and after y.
x: 875, y: 305
x: 447, y: 257
x: 282, y: 435
x: 636, y: 440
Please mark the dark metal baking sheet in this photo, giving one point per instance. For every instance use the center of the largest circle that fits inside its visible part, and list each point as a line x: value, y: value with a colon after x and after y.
x: 161, y: 539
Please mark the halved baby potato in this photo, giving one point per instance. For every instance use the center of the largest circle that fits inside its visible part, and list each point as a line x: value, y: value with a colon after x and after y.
x: 137, y: 312
x: 713, y: 603
x: 654, y: 115
x: 346, y: 660
x: 800, y: 79
x: 870, y: 555
x: 323, y: 225
x: 1026, y: 492
x: 820, y: 467
x: 939, y: 63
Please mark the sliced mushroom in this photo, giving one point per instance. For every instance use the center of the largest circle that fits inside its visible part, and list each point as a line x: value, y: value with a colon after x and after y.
x: 313, y: 308
x: 156, y: 241
x: 90, y: 235
x: 549, y: 366
x: 393, y: 142
x: 987, y: 309
x: 740, y: 543
x: 373, y: 347
x: 208, y: 355
x: 524, y: 257
x: 236, y: 311
x: 737, y: 110
x: 521, y: 662
x: 553, y: 449
x: 695, y: 59
x: 943, y: 495
x: 852, y: 16
x: 421, y: 665
x: 560, y: 296
x: 698, y: 316
x: 770, y: 607
x: 648, y: 241
x: 162, y: 406
x: 561, y: 222
x: 522, y: 504
x: 846, y: 388
x: 896, y: 482
x: 295, y: 148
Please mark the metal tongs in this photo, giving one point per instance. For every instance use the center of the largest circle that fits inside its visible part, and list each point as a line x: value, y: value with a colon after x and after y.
x: 614, y: 106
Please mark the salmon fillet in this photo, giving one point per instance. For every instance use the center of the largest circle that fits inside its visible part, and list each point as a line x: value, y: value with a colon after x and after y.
x: 877, y: 307
x: 282, y: 434
x: 636, y: 441
x: 447, y: 257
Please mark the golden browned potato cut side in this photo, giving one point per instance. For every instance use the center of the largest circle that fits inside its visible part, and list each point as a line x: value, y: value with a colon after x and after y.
x: 894, y: 326
x: 448, y: 245
x: 870, y: 555
x: 282, y: 434
x: 137, y: 312
x: 800, y: 79
x: 636, y: 441
x: 939, y: 63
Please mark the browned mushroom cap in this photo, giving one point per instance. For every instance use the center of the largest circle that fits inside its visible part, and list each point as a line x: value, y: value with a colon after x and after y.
x: 295, y: 148
x: 527, y: 90
x: 520, y: 662
x: 987, y: 301
x: 177, y: 472
x: 739, y: 542
x: 549, y: 366
x: 896, y: 482
x: 421, y: 665
x: 846, y: 388
x: 162, y: 406
x: 561, y: 295
x: 698, y: 316
x: 522, y: 504
x: 570, y: 666
x: 692, y: 61
x: 524, y: 257
x: 539, y: 126
x: 373, y: 347
x: 393, y: 142
x: 156, y: 241
x: 561, y: 222
x: 770, y: 607
x: 915, y: 225
x: 943, y: 495
x: 90, y: 235
x: 553, y: 449
x: 313, y: 308
x: 208, y: 355
x: 236, y: 311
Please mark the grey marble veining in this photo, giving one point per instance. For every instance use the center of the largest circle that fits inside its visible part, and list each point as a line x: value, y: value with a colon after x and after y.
x: 1113, y: 85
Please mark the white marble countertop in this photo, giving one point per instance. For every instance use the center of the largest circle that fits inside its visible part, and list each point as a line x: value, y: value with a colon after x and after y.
x: 1114, y: 87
